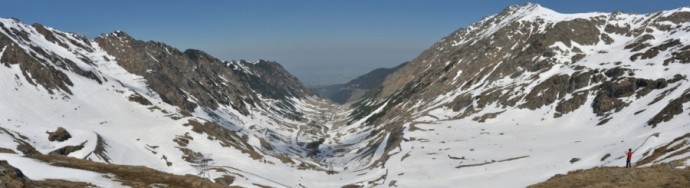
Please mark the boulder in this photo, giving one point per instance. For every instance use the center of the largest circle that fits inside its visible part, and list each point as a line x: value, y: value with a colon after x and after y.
x: 59, y: 135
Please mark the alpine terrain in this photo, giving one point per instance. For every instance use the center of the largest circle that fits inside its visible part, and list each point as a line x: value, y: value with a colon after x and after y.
x: 509, y: 101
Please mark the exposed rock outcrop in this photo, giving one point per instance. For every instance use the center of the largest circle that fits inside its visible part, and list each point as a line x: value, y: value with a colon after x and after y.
x: 59, y: 135
x: 11, y: 177
x: 67, y: 149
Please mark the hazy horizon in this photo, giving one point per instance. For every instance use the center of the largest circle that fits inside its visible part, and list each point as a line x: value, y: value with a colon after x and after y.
x: 320, y: 42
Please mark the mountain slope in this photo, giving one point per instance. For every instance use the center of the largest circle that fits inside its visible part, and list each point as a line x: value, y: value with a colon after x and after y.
x: 536, y: 87
x: 196, y: 74
x: 126, y: 101
x: 522, y: 48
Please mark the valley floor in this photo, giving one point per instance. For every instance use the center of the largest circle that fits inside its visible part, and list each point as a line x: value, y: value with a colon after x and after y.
x: 435, y: 150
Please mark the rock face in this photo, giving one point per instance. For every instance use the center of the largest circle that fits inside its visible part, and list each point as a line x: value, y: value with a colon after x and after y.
x: 11, y: 177
x: 67, y: 149
x: 34, y: 68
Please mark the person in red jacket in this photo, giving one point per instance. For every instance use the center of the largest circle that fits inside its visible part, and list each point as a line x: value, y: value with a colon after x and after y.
x: 629, y: 154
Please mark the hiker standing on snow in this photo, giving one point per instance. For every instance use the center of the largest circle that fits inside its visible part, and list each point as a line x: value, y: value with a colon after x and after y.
x: 629, y: 153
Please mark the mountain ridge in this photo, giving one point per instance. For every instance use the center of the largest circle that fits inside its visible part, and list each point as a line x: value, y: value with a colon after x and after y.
x: 565, y: 70
x: 490, y: 23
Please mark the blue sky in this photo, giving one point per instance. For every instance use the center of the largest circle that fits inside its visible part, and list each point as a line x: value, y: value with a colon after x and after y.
x: 321, y: 42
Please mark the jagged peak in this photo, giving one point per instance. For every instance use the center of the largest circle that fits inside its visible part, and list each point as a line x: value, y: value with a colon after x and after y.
x: 18, y: 24
x: 260, y: 61
x: 677, y: 10
x: 528, y: 12
x: 10, y: 20
x: 683, y: 9
x: 527, y: 7
x: 116, y: 33
x: 196, y: 54
x: 242, y: 61
x: 533, y: 11
x: 12, y: 23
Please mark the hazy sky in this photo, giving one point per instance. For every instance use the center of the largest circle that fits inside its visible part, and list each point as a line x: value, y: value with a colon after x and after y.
x: 321, y: 42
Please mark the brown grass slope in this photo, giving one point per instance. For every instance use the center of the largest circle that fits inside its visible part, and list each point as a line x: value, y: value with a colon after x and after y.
x: 134, y: 176
x: 658, y: 175
x: 664, y: 175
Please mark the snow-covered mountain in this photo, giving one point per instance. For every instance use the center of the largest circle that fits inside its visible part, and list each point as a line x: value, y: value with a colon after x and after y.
x: 528, y: 93
x: 126, y: 101
x: 511, y: 100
